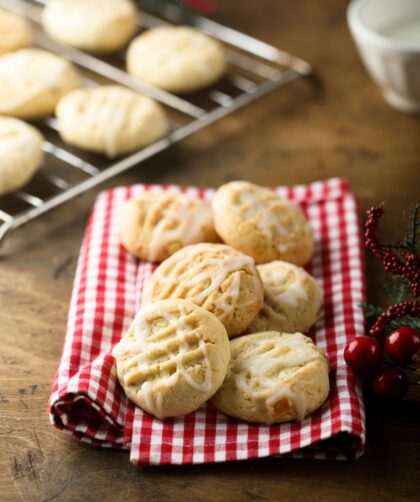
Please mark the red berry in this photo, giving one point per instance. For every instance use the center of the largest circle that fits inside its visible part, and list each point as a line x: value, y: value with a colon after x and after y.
x: 363, y: 354
x: 390, y: 383
x: 402, y: 344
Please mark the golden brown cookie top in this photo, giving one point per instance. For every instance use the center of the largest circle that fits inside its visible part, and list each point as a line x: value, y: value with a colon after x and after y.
x: 258, y: 222
x: 273, y: 377
x: 214, y: 276
x: 155, y: 225
x: 292, y: 299
x: 173, y: 358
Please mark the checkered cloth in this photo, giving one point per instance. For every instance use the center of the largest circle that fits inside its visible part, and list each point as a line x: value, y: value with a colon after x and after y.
x: 88, y: 402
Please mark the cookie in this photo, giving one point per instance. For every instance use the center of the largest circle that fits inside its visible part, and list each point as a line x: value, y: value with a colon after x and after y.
x: 20, y: 153
x: 273, y: 378
x: 32, y: 81
x: 93, y: 25
x: 15, y: 32
x: 176, y: 59
x: 259, y: 223
x: 214, y: 276
x: 110, y: 119
x: 293, y: 300
x: 156, y: 225
x: 173, y: 358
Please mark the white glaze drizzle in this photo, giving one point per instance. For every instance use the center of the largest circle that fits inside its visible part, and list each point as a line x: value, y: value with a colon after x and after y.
x: 261, y: 208
x: 285, y: 282
x: 193, y: 281
x: 106, y: 108
x: 145, y: 344
x: 266, y: 366
x: 275, y: 217
x: 255, y: 203
x: 184, y: 223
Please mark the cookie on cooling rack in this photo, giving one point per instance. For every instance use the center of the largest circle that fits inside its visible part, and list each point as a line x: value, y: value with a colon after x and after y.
x: 32, y: 81
x: 20, y: 153
x: 173, y: 358
x: 177, y: 59
x: 110, y: 119
x: 214, y: 276
x: 273, y: 378
x: 259, y: 223
x: 15, y: 32
x: 156, y: 225
x: 91, y: 25
x: 293, y: 300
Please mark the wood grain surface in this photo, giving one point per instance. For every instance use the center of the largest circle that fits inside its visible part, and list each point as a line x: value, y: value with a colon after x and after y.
x: 338, y: 126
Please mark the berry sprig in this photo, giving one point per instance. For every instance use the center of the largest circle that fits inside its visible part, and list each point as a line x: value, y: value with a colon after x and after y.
x: 397, y: 311
x: 409, y: 269
x: 397, y: 328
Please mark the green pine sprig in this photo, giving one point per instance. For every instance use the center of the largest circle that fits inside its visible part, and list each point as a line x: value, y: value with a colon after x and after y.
x: 398, y: 290
x: 411, y: 239
x: 371, y: 311
x: 404, y: 322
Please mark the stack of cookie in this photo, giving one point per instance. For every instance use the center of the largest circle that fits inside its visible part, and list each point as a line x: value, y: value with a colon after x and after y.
x: 111, y: 120
x: 223, y: 314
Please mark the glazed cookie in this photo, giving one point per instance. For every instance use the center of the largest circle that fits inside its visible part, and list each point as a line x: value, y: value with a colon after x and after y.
x: 92, y: 25
x: 292, y: 299
x: 259, y: 223
x: 156, y: 225
x: 110, y: 119
x: 15, y: 32
x: 20, y: 153
x: 32, y: 81
x: 173, y: 358
x: 214, y: 276
x: 273, y: 378
x: 177, y: 59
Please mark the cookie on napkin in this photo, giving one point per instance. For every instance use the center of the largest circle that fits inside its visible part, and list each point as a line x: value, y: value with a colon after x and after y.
x: 173, y: 358
x: 293, y: 300
x: 156, y: 225
x: 259, y: 223
x: 214, y: 276
x: 273, y: 377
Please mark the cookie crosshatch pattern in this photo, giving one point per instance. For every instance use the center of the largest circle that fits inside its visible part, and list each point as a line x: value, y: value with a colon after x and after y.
x: 88, y: 403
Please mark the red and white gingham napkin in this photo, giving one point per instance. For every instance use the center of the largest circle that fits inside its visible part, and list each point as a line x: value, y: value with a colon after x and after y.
x: 88, y: 402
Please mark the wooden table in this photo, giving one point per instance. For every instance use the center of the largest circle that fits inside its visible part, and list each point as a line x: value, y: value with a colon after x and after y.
x: 339, y: 127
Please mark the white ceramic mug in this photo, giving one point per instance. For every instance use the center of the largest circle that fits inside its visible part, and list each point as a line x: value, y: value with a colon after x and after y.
x: 387, y: 34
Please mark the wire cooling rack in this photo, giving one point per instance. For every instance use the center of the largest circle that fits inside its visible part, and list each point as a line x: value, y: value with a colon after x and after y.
x: 255, y: 69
